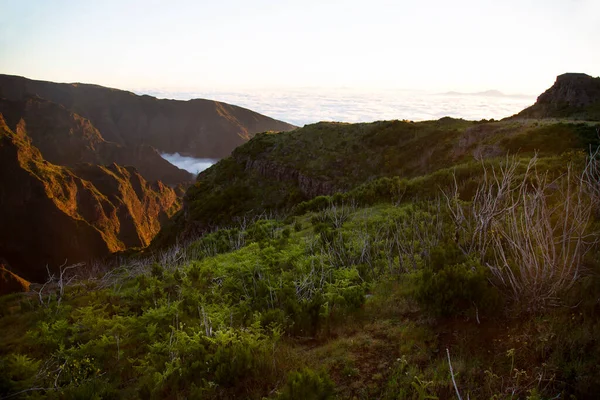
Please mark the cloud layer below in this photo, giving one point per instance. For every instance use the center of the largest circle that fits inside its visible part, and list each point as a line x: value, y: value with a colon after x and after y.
x: 190, y: 164
x: 305, y: 106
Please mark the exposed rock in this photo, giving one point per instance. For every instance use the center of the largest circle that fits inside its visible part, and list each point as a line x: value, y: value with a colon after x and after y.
x: 51, y: 213
x: 66, y: 138
x: 573, y: 95
x: 578, y: 90
x: 11, y: 283
x: 310, y: 187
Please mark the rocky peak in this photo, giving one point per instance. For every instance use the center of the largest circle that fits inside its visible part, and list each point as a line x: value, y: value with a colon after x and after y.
x: 576, y: 89
x: 573, y: 96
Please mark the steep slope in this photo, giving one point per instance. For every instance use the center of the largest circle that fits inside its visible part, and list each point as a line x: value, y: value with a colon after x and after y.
x: 11, y: 283
x: 573, y: 95
x: 65, y: 138
x: 199, y: 128
x: 277, y: 171
x: 50, y: 214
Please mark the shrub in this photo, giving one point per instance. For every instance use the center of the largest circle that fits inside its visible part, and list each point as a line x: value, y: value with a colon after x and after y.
x: 307, y: 385
x: 17, y: 372
x: 157, y: 271
x: 454, y: 289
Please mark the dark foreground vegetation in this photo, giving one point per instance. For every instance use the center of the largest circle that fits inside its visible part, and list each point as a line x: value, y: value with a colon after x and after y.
x: 479, y: 281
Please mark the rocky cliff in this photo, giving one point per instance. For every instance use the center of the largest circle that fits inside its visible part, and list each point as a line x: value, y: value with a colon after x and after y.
x: 11, y: 283
x: 308, y: 186
x: 573, y: 95
x: 51, y: 213
x: 66, y: 138
x: 199, y: 128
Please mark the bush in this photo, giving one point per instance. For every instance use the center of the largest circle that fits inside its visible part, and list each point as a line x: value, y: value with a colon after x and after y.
x: 307, y: 385
x: 455, y: 289
x: 17, y: 372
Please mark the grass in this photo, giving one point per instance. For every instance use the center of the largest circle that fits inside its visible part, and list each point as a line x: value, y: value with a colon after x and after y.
x: 356, y: 294
x: 275, y: 172
x: 236, y: 320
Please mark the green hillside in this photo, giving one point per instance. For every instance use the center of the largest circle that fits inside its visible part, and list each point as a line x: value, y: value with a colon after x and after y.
x: 389, y: 260
x: 363, y: 294
x: 275, y: 172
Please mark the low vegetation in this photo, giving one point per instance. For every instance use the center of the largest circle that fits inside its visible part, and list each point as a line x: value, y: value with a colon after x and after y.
x: 276, y: 172
x: 478, y: 281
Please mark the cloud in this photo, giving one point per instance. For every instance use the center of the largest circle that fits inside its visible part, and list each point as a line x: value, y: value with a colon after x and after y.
x: 305, y: 106
x: 190, y: 164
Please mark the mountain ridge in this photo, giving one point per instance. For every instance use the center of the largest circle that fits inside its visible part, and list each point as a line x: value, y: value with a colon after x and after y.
x: 66, y: 138
x: 199, y: 127
x: 79, y: 213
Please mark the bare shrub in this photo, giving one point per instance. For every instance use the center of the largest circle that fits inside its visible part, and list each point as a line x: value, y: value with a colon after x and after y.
x: 56, y: 284
x: 531, y: 231
x: 591, y: 174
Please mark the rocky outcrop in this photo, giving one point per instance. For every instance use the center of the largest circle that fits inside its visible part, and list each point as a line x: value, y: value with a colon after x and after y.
x: 11, y: 283
x: 50, y: 213
x: 310, y: 187
x: 66, y: 138
x: 578, y: 90
x: 199, y: 128
x: 573, y: 95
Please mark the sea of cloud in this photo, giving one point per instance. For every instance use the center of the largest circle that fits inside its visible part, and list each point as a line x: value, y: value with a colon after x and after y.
x: 305, y: 106
x: 190, y: 164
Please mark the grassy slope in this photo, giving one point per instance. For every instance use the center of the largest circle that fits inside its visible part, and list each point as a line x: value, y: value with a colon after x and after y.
x: 264, y: 173
x: 232, y: 314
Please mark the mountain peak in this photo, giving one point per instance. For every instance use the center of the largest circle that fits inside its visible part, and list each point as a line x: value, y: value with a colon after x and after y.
x: 576, y: 89
x: 573, y: 95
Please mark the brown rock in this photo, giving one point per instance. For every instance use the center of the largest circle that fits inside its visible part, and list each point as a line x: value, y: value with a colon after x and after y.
x: 11, y: 283
x: 65, y: 138
x: 573, y: 95
x: 51, y: 213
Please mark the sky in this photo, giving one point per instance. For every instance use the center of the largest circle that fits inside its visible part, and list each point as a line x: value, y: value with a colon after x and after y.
x: 516, y: 46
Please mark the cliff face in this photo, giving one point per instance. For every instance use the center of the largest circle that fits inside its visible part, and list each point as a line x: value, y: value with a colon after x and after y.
x: 51, y: 213
x: 199, y: 128
x: 66, y: 138
x: 11, y: 283
x: 573, y: 95
x: 66, y: 189
x: 310, y: 187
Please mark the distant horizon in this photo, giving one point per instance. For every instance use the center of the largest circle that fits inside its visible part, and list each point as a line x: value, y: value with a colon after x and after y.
x: 300, y: 107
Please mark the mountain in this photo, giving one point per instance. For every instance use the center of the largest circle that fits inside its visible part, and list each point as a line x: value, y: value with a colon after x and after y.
x: 275, y: 172
x: 377, y: 260
x: 51, y: 213
x: 278, y: 171
x: 199, y: 128
x: 573, y: 96
x: 11, y: 283
x: 77, y: 162
x: 66, y: 138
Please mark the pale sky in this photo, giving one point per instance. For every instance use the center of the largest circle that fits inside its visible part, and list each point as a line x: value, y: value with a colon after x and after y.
x: 516, y: 46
